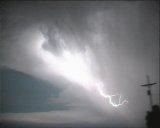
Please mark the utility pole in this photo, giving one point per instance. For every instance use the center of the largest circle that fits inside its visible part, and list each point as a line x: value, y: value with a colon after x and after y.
x: 149, y: 93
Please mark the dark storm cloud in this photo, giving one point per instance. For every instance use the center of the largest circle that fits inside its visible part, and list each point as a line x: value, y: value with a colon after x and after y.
x: 23, y: 93
x: 122, y: 35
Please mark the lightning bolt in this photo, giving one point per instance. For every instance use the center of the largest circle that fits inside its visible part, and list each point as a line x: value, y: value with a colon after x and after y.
x: 101, y: 92
x: 74, y: 68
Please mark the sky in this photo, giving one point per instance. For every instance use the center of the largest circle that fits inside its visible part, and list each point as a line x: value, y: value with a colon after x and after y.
x: 55, y: 55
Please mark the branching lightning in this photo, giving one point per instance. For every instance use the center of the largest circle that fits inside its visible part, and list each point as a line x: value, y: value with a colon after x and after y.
x: 75, y: 68
x: 109, y: 97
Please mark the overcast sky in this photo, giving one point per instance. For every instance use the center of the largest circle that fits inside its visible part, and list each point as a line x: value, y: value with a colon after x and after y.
x: 123, y: 42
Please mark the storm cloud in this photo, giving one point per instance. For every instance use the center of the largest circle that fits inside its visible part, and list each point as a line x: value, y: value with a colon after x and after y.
x: 123, y: 41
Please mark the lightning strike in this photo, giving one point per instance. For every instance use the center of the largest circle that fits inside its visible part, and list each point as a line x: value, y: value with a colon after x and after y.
x: 75, y: 68
x: 109, y: 97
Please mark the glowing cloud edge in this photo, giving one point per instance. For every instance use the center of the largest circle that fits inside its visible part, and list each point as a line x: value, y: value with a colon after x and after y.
x: 74, y: 68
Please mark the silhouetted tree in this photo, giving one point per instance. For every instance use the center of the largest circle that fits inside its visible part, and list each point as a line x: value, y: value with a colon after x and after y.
x: 153, y: 117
